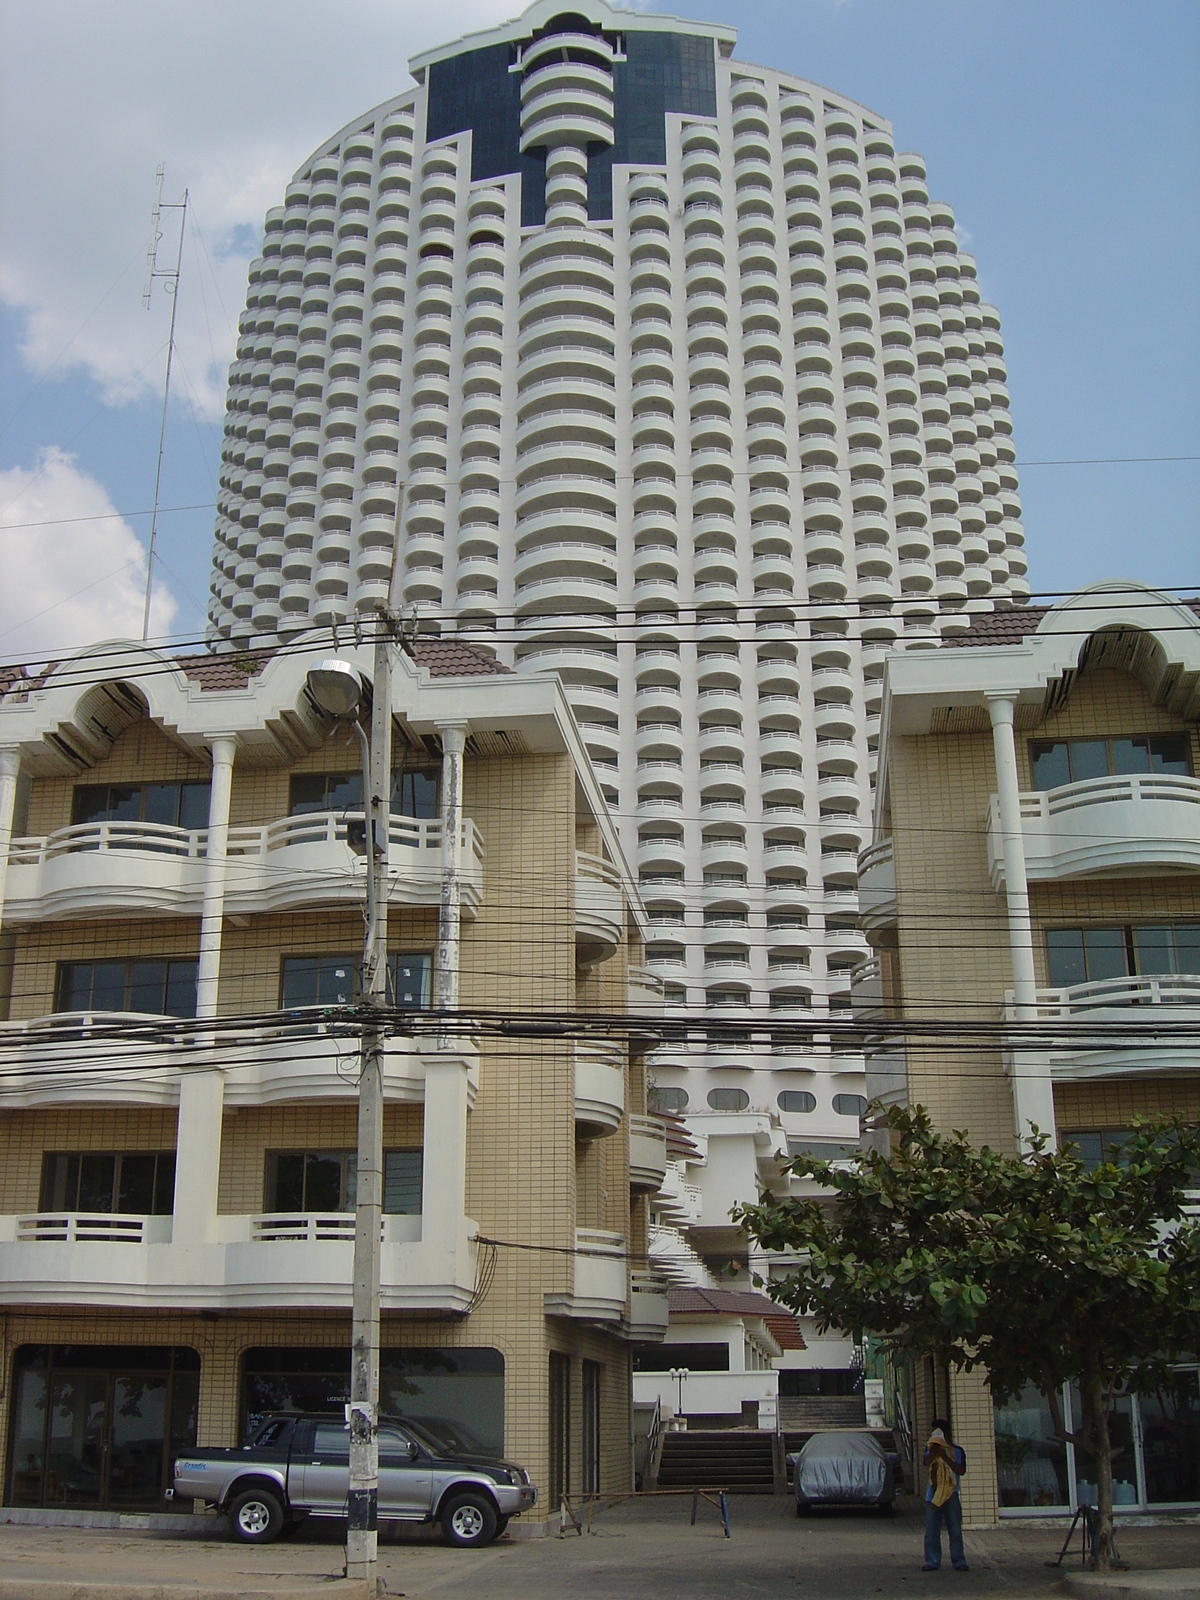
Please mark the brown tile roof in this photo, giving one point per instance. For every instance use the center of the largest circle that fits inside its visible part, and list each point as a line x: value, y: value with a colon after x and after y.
x: 441, y: 658
x: 455, y: 658
x: 680, y: 1144
x: 737, y: 1303
x: 1008, y: 625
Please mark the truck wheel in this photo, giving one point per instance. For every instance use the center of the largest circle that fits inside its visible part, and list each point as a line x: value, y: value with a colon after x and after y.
x: 501, y: 1524
x: 469, y: 1519
x: 255, y: 1516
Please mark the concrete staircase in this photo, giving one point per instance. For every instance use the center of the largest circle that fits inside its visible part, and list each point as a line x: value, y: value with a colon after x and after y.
x: 738, y: 1459
x: 821, y: 1413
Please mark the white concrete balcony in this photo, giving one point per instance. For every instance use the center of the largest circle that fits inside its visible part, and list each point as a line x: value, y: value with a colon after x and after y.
x: 252, y: 1262
x: 647, y: 1154
x: 599, y: 907
x: 601, y: 1279
x: 1143, y: 822
x: 877, y: 886
x: 866, y: 990
x: 1121, y: 1027
x: 599, y: 1088
x: 144, y: 868
x: 678, y: 1201
x: 91, y: 1058
x: 648, y: 1306
x: 674, y: 1259
x: 644, y: 992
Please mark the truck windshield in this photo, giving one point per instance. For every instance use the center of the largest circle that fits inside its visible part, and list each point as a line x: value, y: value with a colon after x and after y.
x: 444, y: 1437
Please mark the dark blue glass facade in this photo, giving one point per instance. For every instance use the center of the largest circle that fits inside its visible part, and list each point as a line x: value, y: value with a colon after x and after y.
x: 661, y: 73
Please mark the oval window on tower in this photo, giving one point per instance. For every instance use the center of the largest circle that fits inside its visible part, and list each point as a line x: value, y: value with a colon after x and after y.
x: 797, y: 1100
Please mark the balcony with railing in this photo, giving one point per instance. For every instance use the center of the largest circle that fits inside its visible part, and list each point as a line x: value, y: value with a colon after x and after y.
x: 135, y: 868
x: 877, y: 886
x: 253, y: 1262
x: 111, y: 1058
x: 1137, y: 822
x: 1119, y: 1027
x: 601, y: 1279
x: 599, y: 1088
x: 599, y: 907
x: 647, y: 1153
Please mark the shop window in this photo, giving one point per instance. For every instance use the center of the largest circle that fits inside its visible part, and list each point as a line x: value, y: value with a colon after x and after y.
x: 1031, y: 1463
x: 1064, y: 761
x: 147, y: 988
x: 728, y: 1099
x: 456, y: 1395
x: 591, y: 1427
x: 336, y: 980
x: 309, y: 1182
x: 797, y: 1100
x: 134, y: 1183
x: 171, y: 805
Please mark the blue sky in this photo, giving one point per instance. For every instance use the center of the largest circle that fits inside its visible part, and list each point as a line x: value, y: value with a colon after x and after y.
x: 1066, y: 136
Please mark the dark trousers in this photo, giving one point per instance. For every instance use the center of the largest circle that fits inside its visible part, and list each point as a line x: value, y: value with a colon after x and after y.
x: 951, y: 1514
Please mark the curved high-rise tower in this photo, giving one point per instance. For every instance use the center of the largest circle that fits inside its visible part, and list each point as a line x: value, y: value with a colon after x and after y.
x: 663, y: 371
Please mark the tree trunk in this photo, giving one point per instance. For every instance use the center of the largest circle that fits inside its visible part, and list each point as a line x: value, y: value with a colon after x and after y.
x: 1097, y: 1417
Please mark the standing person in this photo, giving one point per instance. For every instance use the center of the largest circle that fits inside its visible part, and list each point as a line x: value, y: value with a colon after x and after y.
x: 946, y: 1463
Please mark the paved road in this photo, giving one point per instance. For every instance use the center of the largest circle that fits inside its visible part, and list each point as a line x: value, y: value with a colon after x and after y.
x: 643, y: 1550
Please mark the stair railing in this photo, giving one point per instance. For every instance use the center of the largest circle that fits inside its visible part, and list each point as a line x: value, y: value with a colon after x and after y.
x: 650, y: 1470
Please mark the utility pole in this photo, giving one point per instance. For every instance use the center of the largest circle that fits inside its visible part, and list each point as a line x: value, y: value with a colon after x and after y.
x: 157, y: 272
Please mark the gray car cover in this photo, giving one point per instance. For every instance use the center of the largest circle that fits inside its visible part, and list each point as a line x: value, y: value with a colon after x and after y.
x: 849, y: 1467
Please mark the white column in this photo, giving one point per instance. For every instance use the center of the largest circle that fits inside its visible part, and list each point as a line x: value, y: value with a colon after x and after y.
x: 202, y: 1093
x: 444, y: 1176
x: 10, y: 771
x: 212, y: 914
x: 454, y: 742
x: 1033, y: 1093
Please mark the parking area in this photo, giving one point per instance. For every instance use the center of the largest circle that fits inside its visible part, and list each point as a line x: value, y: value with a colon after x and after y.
x: 643, y: 1548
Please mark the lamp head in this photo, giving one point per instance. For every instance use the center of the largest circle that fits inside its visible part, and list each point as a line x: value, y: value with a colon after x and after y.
x: 336, y: 687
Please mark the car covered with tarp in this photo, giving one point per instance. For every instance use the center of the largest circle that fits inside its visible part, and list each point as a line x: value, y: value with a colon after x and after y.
x: 843, y: 1469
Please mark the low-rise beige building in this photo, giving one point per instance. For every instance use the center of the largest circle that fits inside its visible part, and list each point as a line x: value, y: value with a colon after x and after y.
x: 1036, y: 858
x: 176, y: 1195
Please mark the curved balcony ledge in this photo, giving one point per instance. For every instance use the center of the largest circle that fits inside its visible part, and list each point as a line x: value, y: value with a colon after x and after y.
x: 648, y: 1306
x: 71, y: 1059
x: 647, y: 1154
x: 1126, y: 1027
x: 877, y: 886
x: 599, y: 1088
x: 1105, y: 826
x: 601, y: 1276
x: 140, y: 868
x: 254, y: 1262
x: 599, y: 907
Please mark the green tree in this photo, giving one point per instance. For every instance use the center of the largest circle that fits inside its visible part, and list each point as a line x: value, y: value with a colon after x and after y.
x: 1028, y: 1266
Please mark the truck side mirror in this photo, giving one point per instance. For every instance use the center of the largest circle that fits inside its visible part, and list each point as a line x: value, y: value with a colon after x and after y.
x: 413, y: 1450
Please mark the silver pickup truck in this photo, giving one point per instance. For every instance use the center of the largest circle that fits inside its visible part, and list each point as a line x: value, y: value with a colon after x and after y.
x: 296, y: 1466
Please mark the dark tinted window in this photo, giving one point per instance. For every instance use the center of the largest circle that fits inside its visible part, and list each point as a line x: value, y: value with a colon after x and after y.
x: 661, y: 73
x: 331, y: 1443
x: 1077, y: 760
x: 171, y: 805
x: 403, y: 1172
x: 415, y: 794
x: 849, y: 1105
x: 324, y: 791
x: 335, y: 980
x: 150, y: 988
x: 1051, y: 766
x: 728, y: 1099
x: 695, y: 1357
x: 797, y: 1100
x: 326, y: 1181
x: 1092, y: 955
x: 137, y: 1183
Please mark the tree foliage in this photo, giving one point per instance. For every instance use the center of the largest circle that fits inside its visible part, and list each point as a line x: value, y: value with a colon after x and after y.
x: 1029, y: 1266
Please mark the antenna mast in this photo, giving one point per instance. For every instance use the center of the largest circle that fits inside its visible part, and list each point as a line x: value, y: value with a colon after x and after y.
x: 173, y: 290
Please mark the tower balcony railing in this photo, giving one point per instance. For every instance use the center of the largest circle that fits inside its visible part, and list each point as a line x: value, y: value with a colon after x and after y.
x: 1118, y: 1027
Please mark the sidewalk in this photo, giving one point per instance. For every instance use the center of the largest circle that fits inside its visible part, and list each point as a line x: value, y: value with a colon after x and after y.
x: 638, y: 1550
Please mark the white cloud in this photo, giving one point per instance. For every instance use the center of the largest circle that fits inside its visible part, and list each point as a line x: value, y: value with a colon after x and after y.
x: 74, y: 570
x: 232, y: 97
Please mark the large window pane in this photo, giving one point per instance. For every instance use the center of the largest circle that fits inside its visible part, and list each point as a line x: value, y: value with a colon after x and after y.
x: 1089, y: 759
x: 1124, y: 1467
x: 147, y: 981
x: 74, y: 989
x: 306, y: 793
x: 1187, y: 947
x: 344, y: 792
x: 1068, y: 966
x: 1031, y: 1462
x: 411, y: 981
x: 1169, y: 754
x: 285, y: 1180
x: 1171, y: 1440
x: 1051, y: 766
x: 135, y: 1461
x: 97, y: 1176
x: 164, y: 1184
x: 338, y: 980
x: 180, y: 998
x: 162, y: 804
x: 414, y: 794
x: 28, y: 1438
x: 194, y: 801
x: 1155, y: 949
x: 135, y: 1188
x: 60, y: 1183
x: 108, y: 986
x: 1090, y: 1146
x: 1130, y: 756
x: 1106, y: 953
x: 89, y: 803
x: 403, y: 1171
x: 300, y: 986
x: 322, y: 1181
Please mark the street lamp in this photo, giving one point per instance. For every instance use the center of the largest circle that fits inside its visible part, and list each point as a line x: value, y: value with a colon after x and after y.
x: 336, y: 688
x: 679, y: 1374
